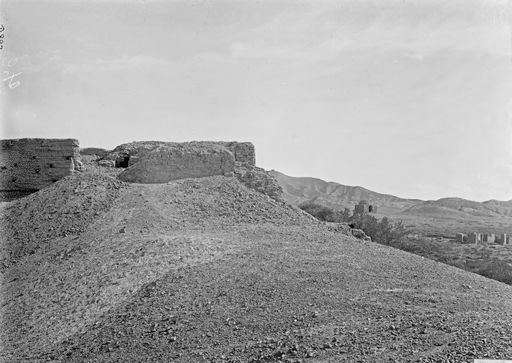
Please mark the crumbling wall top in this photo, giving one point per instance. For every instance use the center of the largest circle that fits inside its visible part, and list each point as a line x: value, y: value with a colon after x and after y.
x: 242, y: 151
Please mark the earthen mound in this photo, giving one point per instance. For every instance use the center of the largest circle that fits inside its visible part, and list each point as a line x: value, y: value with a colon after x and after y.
x: 258, y: 179
x: 64, y: 208
x: 87, y: 243
x: 209, y: 270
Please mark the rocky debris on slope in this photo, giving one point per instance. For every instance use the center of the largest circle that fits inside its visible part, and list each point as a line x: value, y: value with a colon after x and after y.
x: 258, y: 179
x: 196, y: 202
x: 66, y: 207
x: 94, y: 164
x: 107, y: 163
x: 293, y: 295
x: 32, y: 164
x: 151, y: 228
x: 71, y: 281
x: 345, y: 229
x: 359, y: 233
x: 210, y: 270
x: 339, y: 227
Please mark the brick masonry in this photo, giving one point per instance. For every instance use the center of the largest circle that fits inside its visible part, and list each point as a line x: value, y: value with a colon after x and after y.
x: 32, y: 164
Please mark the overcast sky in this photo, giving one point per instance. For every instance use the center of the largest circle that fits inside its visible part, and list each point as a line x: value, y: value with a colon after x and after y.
x: 411, y: 98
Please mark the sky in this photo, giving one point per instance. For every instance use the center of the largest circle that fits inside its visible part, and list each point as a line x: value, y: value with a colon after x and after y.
x: 411, y: 98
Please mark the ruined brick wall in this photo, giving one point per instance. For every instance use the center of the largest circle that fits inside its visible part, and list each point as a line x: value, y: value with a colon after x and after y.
x: 173, y: 161
x: 32, y: 164
x: 488, y: 237
x: 474, y: 237
x: 243, y: 151
x: 258, y: 179
x: 161, y: 162
x: 361, y: 209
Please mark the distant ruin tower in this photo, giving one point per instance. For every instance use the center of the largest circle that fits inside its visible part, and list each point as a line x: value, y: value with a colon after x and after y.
x: 364, y: 207
x: 474, y: 237
x: 502, y: 239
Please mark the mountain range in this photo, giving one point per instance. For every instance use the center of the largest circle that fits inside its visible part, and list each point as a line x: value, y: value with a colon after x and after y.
x: 297, y: 190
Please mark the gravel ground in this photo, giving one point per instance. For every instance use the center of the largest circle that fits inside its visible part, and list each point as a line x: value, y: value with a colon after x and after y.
x: 206, y: 270
x: 65, y: 208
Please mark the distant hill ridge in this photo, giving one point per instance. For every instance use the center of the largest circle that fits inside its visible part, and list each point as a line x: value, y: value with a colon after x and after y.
x: 297, y: 190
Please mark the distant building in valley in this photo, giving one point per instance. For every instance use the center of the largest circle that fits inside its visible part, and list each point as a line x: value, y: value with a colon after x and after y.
x: 502, y: 239
x: 476, y: 237
x: 364, y: 207
x: 488, y: 238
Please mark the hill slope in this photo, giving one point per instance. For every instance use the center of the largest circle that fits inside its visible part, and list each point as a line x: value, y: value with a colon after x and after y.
x: 445, y: 215
x: 500, y: 207
x: 454, y: 205
x: 451, y: 215
x: 206, y: 270
x: 334, y: 195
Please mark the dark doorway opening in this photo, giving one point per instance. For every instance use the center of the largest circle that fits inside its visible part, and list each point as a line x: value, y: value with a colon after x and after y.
x: 122, y: 161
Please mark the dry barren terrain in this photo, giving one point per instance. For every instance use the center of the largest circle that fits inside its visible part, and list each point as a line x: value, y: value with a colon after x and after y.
x: 207, y: 270
x: 446, y: 216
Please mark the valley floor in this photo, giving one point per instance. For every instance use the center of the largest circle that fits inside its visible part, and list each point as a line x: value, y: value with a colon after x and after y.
x: 490, y: 260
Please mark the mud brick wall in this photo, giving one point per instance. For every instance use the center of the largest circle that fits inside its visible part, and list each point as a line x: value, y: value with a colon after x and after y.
x: 243, y: 151
x: 168, y: 162
x: 32, y: 164
x: 259, y: 179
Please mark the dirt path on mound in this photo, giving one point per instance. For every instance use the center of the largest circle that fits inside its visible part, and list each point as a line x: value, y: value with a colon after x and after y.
x: 290, y: 294
x: 207, y: 270
x: 55, y: 286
